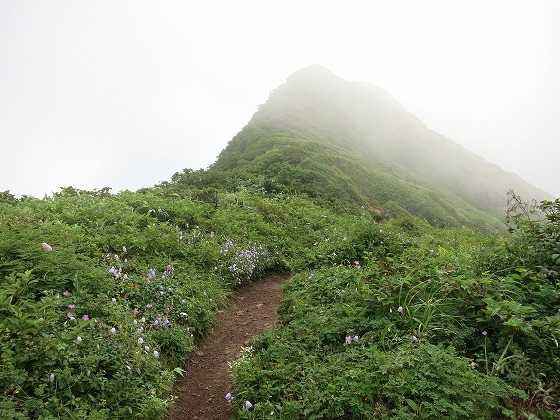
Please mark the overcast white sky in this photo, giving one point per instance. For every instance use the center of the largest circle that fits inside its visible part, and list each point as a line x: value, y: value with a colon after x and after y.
x: 126, y: 93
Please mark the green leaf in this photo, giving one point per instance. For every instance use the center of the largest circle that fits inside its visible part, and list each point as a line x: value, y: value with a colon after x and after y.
x: 411, y: 404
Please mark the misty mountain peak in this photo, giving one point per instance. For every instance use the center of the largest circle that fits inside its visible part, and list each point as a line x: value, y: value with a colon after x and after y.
x: 359, y: 122
x: 314, y: 73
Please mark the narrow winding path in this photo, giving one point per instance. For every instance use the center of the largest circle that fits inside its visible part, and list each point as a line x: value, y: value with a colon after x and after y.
x: 200, y: 393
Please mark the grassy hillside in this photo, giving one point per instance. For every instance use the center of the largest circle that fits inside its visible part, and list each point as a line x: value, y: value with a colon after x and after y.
x: 101, y: 297
x: 365, y: 121
x: 408, y: 298
x: 297, y: 163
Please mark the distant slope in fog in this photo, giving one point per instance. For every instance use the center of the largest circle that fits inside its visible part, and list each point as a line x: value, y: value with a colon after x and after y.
x: 364, y: 117
x: 351, y: 143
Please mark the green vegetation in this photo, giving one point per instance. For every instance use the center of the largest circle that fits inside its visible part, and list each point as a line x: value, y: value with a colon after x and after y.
x: 409, y: 297
x: 423, y: 325
x: 102, y: 296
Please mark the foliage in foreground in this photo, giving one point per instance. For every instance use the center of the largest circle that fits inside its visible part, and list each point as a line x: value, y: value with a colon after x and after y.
x: 424, y: 326
x: 101, y: 297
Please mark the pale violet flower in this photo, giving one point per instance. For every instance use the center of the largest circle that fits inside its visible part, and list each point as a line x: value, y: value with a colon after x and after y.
x: 248, y: 405
x: 156, y: 353
x: 228, y: 396
x: 79, y: 339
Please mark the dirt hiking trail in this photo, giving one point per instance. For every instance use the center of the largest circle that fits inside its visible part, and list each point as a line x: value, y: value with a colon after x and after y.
x: 200, y: 393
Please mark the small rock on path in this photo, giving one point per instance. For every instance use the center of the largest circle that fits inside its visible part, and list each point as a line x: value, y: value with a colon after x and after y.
x: 200, y: 393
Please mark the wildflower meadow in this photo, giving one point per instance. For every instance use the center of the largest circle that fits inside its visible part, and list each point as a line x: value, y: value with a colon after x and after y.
x: 102, y: 297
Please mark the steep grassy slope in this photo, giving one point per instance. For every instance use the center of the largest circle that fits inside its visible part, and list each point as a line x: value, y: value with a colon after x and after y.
x: 295, y: 162
x: 352, y: 142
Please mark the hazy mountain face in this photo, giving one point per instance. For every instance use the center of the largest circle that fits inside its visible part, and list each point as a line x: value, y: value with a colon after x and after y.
x: 365, y: 118
x: 352, y: 142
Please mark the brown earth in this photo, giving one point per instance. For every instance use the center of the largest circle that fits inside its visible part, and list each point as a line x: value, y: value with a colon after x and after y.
x: 200, y: 393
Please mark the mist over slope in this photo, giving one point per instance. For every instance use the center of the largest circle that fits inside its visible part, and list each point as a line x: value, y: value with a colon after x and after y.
x: 352, y: 141
x: 362, y: 116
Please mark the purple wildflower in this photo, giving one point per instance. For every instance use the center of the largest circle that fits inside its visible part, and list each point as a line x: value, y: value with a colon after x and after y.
x: 65, y: 293
x: 135, y: 311
x: 348, y: 339
x: 414, y: 338
x: 356, y: 338
x: 228, y: 396
x: 51, y: 377
x: 400, y: 309
x: 484, y: 333
x: 79, y: 339
x: 156, y: 353
x: 140, y: 340
x: 85, y: 317
x: 46, y: 246
x: 113, y: 330
x: 248, y: 405
x: 71, y: 306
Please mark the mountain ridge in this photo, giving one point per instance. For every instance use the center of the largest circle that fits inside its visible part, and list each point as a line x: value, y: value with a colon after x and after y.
x: 380, y: 120
x: 352, y: 143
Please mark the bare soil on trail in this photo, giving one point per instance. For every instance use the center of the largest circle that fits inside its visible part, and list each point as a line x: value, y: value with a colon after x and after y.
x: 200, y: 393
